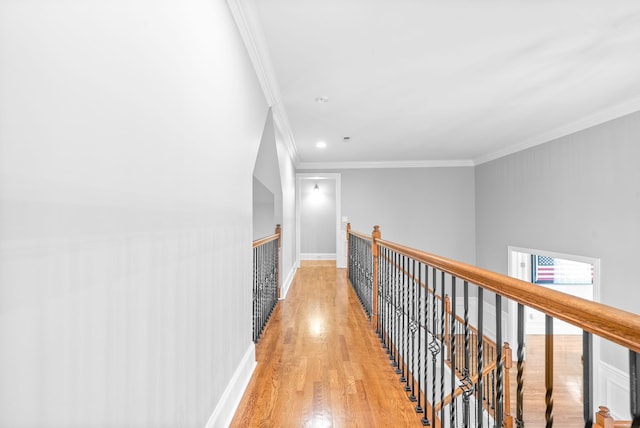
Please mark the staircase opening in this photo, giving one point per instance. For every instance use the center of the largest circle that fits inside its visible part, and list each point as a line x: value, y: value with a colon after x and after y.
x: 571, y: 274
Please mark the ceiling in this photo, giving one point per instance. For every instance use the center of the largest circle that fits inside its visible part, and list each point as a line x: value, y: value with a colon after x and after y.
x: 439, y: 82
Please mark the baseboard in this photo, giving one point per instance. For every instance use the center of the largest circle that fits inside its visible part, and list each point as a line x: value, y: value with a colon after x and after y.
x: 614, y: 387
x: 228, y: 403
x: 287, y: 282
x: 317, y: 256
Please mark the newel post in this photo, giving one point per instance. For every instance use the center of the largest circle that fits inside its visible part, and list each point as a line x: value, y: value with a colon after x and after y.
x: 348, y: 249
x: 604, y: 419
x: 374, y: 251
x: 279, y: 233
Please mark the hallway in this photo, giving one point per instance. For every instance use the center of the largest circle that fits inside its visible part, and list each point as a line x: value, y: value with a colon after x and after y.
x: 320, y: 364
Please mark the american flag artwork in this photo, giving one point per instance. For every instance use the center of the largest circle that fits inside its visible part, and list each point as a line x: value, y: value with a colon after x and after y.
x: 551, y: 270
x: 545, y: 269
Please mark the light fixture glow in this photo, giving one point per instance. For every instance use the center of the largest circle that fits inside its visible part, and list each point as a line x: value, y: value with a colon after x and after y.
x: 321, y: 144
x: 322, y: 100
x: 316, y: 188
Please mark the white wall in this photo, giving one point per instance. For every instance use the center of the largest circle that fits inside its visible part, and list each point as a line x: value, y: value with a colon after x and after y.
x: 264, y: 222
x: 128, y: 134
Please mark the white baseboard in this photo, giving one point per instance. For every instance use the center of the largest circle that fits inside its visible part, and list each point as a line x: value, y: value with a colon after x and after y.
x: 614, y: 390
x: 228, y: 403
x: 287, y: 282
x: 317, y: 256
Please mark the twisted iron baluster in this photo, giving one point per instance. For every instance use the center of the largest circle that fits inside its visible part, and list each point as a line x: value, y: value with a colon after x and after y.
x: 413, y: 326
x: 404, y: 313
x: 442, y: 338
x: 480, y: 352
x: 466, y: 380
x: 452, y: 343
x: 420, y: 323
x: 500, y: 364
x: 425, y: 418
x: 434, y: 347
x: 520, y: 375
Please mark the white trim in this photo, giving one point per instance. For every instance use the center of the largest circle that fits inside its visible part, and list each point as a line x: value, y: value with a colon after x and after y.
x: 599, y: 118
x: 228, y: 403
x: 286, y: 285
x: 385, y: 164
x: 614, y: 384
x: 254, y: 40
x: 317, y: 256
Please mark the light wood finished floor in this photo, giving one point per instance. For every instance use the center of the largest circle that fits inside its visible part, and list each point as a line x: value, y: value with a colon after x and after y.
x: 321, y: 365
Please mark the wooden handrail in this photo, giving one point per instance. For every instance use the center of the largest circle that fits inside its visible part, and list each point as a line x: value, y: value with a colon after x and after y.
x: 265, y: 240
x: 361, y: 235
x: 610, y: 323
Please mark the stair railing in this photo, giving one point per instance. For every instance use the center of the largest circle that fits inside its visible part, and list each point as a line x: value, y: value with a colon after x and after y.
x: 266, y: 280
x: 440, y: 350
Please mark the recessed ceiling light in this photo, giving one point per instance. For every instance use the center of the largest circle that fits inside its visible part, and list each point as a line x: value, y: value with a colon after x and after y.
x: 322, y: 100
x: 321, y: 144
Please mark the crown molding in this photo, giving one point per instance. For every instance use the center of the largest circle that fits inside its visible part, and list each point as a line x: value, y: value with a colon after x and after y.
x: 384, y: 164
x: 253, y: 38
x: 596, y: 119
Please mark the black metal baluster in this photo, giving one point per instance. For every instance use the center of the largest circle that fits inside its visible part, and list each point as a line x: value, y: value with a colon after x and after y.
x: 387, y: 300
x: 634, y: 387
x: 420, y: 345
x: 396, y: 314
x: 452, y: 343
x: 253, y: 297
x: 499, y: 364
x: 425, y: 418
x: 520, y: 375
x: 548, y: 372
x: 466, y: 380
x: 434, y: 347
x: 587, y: 378
x: 382, y: 302
x: 260, y: 284
x: 394, y: 318
x: 413, y: 327
x: 442, y: 342
x: 480, y: 352
x: 379, y: 291
x: 404, y: 313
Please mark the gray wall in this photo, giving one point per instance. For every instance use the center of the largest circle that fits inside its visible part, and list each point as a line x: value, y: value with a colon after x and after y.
x: 268, y: 192
x: 128, y: 135
x: 431, y: 209
x: 264, y: 222
x: 318, y: 217
x: 577, y: 195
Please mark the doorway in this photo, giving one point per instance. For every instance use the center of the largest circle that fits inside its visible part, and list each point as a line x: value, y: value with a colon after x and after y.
x: 320, y: 234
